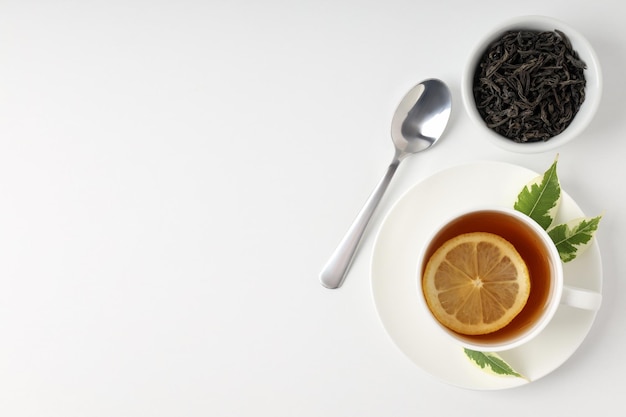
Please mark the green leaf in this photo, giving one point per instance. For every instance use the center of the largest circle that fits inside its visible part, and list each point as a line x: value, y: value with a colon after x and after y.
x: 572, y: 238
x: 540, y: 198
x: 490, y: 361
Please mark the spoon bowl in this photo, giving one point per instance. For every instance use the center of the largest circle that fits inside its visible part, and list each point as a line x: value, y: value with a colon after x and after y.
x: 421, y: 117
x: 417, y: 124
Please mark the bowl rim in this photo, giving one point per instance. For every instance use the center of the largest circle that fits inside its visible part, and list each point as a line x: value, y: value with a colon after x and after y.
x: 593, y: 77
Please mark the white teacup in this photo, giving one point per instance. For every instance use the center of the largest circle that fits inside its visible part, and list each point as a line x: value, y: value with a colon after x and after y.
x: 544, y: 264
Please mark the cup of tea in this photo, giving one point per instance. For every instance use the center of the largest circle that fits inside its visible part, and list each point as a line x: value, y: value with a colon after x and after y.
x: 491, y: 279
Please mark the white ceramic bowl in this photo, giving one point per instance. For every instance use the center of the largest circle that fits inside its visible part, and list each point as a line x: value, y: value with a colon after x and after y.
x: 593, y: 77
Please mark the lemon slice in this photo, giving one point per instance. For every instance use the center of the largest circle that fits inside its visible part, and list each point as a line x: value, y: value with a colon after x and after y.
x: 476, y: 283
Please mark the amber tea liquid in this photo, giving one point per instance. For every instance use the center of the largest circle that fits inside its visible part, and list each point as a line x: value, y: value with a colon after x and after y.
x: 529, y: 246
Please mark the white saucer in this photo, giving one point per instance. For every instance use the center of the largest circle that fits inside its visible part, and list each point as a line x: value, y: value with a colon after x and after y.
x: 394, y: 280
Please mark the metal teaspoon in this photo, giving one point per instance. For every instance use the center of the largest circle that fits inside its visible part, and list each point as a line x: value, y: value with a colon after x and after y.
x: 417, y: 124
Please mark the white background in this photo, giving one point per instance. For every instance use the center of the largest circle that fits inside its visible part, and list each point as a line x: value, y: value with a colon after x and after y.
x: 174, y: 174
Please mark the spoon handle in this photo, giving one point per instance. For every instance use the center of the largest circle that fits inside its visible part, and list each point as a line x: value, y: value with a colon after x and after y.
x: 335, y: 270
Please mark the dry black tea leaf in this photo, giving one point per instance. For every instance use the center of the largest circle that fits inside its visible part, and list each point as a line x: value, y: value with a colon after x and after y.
x: 529, y: 85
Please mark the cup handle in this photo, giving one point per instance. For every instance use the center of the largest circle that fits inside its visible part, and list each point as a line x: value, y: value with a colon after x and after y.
x: 580, y: 298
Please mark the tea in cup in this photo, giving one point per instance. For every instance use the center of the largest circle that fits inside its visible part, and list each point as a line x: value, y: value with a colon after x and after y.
x: 492, y: 279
